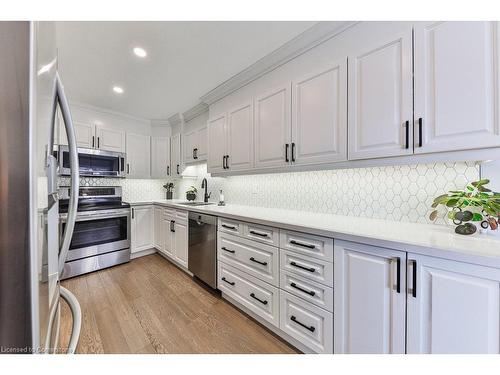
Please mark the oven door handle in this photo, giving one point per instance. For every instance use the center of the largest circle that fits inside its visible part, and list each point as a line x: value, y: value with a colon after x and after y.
x: 60, y: 98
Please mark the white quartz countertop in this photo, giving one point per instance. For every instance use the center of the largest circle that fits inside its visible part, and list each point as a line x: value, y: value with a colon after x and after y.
x: 425, y: 239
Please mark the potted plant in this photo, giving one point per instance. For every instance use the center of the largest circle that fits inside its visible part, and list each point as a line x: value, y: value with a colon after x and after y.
x: 191, y: 193
x: 170, y: 189
x: 475, y: 208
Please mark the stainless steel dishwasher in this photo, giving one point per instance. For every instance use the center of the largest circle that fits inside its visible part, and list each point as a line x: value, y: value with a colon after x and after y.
x: 202, y: 256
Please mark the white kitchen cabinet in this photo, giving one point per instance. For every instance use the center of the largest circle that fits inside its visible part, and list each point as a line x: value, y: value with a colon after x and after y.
x: 109, y: 139
x: 370, y: 299
x: 455, y: 307
x: 381, y: 99
x: 159, y: 233
x: 142, y: 228
x: 217, y: 143
x: 181, y: 243
x: 319, y: 116
x: 240, y: 147
x: 138, y: 155
x: 160, y: 157
x: 201, y: 146
x: 456, y: 86
x: 195, y: 145
x: 85, y: 134
x: 272, y: 127
x: 175, y: 155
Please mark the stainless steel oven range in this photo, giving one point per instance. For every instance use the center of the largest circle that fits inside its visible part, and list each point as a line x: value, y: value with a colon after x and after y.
x: 101, y: 237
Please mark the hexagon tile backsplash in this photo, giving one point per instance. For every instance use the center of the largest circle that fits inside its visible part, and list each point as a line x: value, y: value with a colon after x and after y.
x: 399, y: 193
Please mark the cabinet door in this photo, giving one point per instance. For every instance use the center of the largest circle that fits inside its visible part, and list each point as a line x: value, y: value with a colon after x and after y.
x: 110, y: 139
x: 142, y: 228
x: 181, y: 244
x: 176, y: 163
x: 319, y: 116
x: 240, y: 137
x: 216, y: 143
x: 138, y: 155
x: 201, y: 144
x: 272, y: 127
x: 160, y: 157
x: 456, y: 86
x: 369, y: 306
x: 84, y: 132
x: 169, y: 238
x: 455, y: 307
x: 380, y: 99
x: 158, y: 229
x: 188, y: 147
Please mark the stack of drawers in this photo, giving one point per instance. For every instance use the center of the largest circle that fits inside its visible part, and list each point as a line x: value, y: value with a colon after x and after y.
x: 284, y: 277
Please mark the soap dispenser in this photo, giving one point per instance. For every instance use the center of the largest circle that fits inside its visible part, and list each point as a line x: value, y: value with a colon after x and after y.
x: 221, y: 199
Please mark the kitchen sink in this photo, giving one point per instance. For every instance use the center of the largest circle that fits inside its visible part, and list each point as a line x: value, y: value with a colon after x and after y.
x: 195, y: 203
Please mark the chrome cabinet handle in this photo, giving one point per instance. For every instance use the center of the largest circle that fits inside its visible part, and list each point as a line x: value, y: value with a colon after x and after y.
x: 60, y: 98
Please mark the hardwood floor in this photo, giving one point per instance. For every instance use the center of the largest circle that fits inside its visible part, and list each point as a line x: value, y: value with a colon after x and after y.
x: 151, y: 306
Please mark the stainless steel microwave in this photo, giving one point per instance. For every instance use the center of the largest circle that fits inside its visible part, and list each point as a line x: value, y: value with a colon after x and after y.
x: 96, y: 163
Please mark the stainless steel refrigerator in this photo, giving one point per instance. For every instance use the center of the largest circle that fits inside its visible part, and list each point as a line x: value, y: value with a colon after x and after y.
x: 32, y: 251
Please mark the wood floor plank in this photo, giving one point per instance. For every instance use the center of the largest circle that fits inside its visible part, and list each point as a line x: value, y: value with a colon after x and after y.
x: 149, y: 305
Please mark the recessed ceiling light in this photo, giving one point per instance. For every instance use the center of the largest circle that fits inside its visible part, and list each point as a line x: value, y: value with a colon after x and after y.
x: 118, y: 89
x: 141, y: 52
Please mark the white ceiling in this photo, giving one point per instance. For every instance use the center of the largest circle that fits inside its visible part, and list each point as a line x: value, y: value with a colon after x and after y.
x: 185, y: 60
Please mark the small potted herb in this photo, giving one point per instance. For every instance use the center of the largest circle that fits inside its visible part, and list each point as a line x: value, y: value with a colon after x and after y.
x: 170, y: 189
x: 472, y: 209
x: 191, y: 193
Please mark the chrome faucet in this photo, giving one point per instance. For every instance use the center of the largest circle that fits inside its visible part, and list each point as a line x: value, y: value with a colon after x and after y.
x: 204, y: 184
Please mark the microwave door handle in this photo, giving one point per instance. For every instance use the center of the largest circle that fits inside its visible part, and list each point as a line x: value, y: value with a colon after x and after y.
x: 76, y: 312
x: 74, y: 168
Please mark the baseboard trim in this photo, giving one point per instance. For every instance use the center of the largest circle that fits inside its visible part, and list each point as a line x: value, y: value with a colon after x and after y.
x: 142, y: 253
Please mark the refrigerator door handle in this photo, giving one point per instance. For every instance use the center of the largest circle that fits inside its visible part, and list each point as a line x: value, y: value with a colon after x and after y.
x: 60, y: 98
x: 76, y: 312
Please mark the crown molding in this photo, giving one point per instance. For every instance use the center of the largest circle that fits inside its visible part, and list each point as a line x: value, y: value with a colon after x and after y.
x: 195, y: 111
x: 160, y: 122
x: 93, y: 108
x: 176, y: 119
x: 310, y: 38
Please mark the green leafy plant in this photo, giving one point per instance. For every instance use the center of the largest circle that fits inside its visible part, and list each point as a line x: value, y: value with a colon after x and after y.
x: 476, y: 195
x: 192, y: 190
x: 169, y: 186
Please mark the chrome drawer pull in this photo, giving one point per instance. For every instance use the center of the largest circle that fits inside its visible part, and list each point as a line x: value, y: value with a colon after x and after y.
x: 261, y: 301
x: 302, y: 267
x: 256, y: 261
x: 229, y: 282
x: 259, y: 234
x: 310, y: 292
x: 228, y: 227
x: 226, y: 249
x: 294, y: 319
x: 309, y: 246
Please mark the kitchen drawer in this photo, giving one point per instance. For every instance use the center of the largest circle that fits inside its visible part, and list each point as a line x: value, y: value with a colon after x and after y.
x: 309, y: 244
x: 307, y: 323
x: 311, y: 268
x: 256, y: 295
x: 229, y: 226
x: 168, y: 212
x: 181, y: 216
x: 311, y: 291
x: 257, y: 259
x: 261, y: 233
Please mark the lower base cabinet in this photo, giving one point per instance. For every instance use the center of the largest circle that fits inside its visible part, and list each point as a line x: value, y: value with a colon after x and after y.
x: 142, y: 228
x: 171, y: 234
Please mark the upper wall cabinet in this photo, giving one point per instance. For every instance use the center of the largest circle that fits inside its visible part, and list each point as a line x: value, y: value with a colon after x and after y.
x: 380, y: 99
x: 160, y: 157
x: 95, y: 136
x: 456, y: 86
x: 175, y: 155
x: 272, y: 127
x: 319, y: 116
x: 217, y: 144
x: 195, y: 145
x: 240, y: 138
x: 138, y: 155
